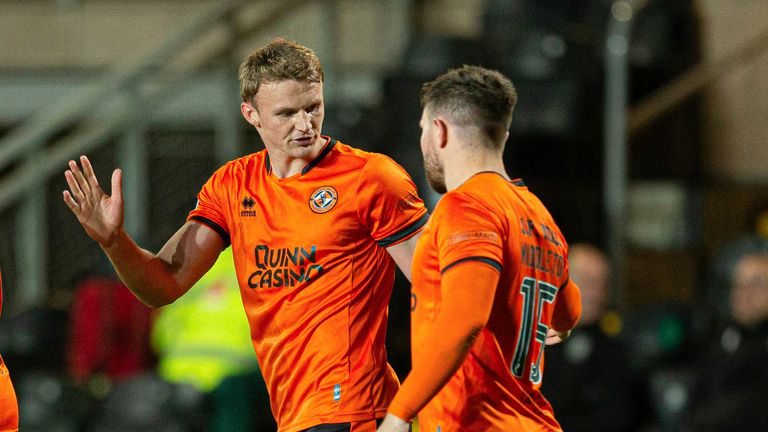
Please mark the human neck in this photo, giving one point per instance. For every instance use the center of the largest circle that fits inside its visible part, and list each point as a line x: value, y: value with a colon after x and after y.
x: 284, y: 164
x: 465, y: 162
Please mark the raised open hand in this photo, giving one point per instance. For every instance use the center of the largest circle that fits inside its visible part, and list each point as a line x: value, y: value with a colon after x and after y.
x: 100, y: 214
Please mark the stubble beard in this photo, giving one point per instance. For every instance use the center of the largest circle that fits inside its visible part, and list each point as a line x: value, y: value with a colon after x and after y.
x: 435, y: 173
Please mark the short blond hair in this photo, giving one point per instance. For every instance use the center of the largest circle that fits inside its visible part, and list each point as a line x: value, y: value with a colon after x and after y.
x: 277, y: 61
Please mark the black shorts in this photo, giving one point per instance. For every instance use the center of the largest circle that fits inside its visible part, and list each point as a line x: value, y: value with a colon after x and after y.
x: 335, y: 427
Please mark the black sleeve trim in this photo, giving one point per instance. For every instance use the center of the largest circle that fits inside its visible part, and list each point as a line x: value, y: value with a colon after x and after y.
x: 404, y: 233
x: 491, y: 262
x: 214, y: 226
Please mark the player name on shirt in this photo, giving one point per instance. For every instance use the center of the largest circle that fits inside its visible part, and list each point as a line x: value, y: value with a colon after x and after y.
x: 284, y: 267
x: 536, y: 257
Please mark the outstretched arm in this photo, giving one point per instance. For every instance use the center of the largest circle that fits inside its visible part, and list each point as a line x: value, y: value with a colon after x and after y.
x: 463, y: 315
x: 156, y: 279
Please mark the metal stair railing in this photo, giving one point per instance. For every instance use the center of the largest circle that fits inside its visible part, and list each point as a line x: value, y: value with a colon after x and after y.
x: 62, y: 113
x: 622, y: 121
x: 695, y: 79
x: 35, y: 156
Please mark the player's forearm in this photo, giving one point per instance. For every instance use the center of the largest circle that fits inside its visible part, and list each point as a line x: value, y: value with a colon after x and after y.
x: 463, y: 315
x: 428, y: 376
x: 568, y: 308
x: 146, y: 275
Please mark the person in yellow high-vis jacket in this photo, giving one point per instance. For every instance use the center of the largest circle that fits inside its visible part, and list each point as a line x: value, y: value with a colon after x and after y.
x: 202, y: 340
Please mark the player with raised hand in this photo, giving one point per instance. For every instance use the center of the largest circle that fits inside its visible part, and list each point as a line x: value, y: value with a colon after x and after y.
x: 490, y: 273
x: 316, y: 227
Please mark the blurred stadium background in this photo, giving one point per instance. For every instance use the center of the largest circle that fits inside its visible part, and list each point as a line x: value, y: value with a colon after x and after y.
x: 642, y: 125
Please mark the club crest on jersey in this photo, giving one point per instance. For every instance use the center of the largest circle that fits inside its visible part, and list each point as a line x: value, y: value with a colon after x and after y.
x: 323, y: 199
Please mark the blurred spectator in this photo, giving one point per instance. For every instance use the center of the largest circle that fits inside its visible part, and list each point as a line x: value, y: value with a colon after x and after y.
x: 732, y: 379
x: 109, y: 334
x: 588, y: 382
x: 202, y: 340
x: 721, y: 272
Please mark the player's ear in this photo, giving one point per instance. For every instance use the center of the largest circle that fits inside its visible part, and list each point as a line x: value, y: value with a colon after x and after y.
x: 250, y: 114
x: 441, y: 128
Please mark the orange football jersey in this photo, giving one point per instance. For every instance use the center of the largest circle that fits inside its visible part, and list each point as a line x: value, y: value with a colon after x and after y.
x: 500, y: 223
x: 315, y: 276
x: 9, y: 407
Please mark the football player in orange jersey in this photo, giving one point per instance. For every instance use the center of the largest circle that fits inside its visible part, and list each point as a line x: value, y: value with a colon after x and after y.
x: 316, y: 228
x: 9, y: 407
x: 490, y: 274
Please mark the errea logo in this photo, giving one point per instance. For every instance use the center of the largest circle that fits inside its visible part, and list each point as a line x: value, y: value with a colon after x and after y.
x: 323, y: 199
x: 248, y: 203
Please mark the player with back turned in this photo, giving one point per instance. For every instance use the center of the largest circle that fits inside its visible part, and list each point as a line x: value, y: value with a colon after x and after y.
x: 316, y: 228
x: 490, y: 274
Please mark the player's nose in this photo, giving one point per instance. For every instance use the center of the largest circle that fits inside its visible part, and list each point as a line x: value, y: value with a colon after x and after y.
x: 303, y: 121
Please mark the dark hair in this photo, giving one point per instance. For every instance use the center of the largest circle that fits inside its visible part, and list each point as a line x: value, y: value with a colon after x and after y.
x: 279, y: 60
x: 473, y: 95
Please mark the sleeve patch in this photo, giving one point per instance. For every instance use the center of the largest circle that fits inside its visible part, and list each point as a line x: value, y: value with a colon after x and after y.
x: 410, y: 201
x: 460, y: 237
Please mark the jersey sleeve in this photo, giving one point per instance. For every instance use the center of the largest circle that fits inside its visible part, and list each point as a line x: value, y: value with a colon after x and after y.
x: 388, y: 203
x: 468, y: 231
x: 211, y: 206
x: 567, y: 307
x: 463, y: 313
